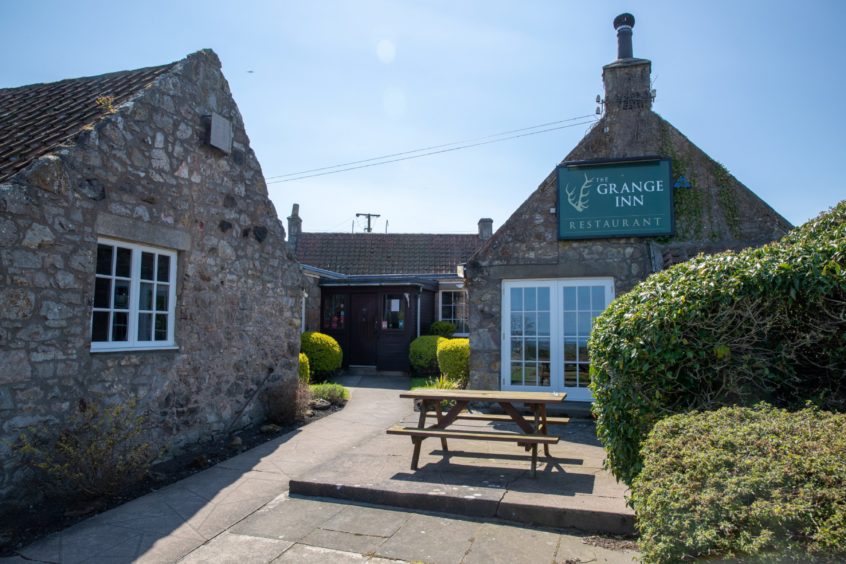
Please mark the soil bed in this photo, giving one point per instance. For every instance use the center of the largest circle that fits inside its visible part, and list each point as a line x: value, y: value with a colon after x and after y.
x: 19, y: 529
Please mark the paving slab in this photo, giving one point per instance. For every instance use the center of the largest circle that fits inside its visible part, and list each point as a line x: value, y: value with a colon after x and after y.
x: 483, y: 479
x: 230, y: 548
x: 429, y: 538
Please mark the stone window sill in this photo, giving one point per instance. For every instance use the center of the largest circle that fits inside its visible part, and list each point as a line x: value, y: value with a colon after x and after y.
x: 134, y: 349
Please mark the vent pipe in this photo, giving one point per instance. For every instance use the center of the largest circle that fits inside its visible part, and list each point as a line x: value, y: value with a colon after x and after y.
x: 624, y: 24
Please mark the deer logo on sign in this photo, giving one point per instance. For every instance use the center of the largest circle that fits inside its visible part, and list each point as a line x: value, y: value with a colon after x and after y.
x: 579, y: 203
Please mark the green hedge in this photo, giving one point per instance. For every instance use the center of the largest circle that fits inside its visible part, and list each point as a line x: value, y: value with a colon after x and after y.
x: 303, y: 369
x: 744, y: 482
x: 454, y: 359
x: 422, y: 354
x: 443, y: 329
x: 764, y: 324
x: 335, y: 394
x: 323, y: 352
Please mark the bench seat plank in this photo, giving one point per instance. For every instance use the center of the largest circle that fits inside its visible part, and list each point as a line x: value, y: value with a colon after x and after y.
x: 473, y: 435
x: 503, y: 417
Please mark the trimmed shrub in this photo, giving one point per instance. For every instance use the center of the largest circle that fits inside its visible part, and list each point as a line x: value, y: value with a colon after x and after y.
x: 335, y: 394
x: 323, y: 352
x: 98, y: 452
x: 443, y: 329
x: 423, y: 354
x: 454, y: 359
x: 764, y: 324
x: 744, y: 482
x: 304, y: 369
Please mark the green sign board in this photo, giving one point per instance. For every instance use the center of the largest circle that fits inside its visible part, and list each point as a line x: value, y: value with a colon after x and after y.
x: 621, y: 199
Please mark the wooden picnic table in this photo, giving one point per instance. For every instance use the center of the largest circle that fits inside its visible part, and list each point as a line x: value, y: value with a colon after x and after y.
x: 533, y: 430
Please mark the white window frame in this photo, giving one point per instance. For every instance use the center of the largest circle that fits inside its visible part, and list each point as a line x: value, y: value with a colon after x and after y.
x: 556, y: 322
x: 132, y: 343
x: 466, y: 306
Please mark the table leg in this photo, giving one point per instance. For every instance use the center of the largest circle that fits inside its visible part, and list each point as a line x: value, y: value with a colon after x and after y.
x: 544, y: 429
x: 418, y: 441
x: 535, y: 460
x: 439, y: 414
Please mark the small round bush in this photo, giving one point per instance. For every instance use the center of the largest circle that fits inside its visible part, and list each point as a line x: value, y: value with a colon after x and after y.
x: 454, y: 359
x: 744, y: 483
x: 442, y: 328
x: 304, y: 370
x: 335, y: 394
x: 764, y: 324
x: 423, y: 354
x: 323, y: 352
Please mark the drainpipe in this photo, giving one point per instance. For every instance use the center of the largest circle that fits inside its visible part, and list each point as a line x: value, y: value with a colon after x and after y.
x: 419, y: 293
x: 303, y: 312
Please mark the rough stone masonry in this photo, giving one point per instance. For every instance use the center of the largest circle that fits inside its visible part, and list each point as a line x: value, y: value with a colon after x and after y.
x: 144, y: 173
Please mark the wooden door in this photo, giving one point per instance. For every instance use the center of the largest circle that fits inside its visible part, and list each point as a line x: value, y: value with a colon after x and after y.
x: 364, y: 329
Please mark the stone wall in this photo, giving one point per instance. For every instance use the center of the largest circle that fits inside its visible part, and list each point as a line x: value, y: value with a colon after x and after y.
x: 144, y: 174
x: 718, y: 213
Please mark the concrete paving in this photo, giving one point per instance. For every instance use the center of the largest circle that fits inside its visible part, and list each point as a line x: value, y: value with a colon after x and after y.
x: 241, y: 511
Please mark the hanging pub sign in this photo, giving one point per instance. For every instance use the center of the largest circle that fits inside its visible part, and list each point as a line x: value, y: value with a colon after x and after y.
x: 615, y: 199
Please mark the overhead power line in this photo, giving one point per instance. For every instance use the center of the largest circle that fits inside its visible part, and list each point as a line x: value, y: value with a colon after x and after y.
x: 431, y: 150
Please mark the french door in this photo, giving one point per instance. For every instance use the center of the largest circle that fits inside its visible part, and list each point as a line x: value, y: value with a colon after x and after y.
x: 545, y: 329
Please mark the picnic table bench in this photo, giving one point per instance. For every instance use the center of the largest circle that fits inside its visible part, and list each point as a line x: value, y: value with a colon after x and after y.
x: 533, y: 431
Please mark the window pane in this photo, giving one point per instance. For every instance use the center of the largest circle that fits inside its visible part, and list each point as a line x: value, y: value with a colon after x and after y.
x: 102, y: 291
x: 516, y: 299
x: 393, y: 316
x: 145, y: 299
x: 517, y: 373
x: 585, y: 323
x: 162, y: 291
x: 164, y: 269
x: 334, y: 313
x: 543, y: 349
x: 530, y: 299
x: 447, y: 298
x: 597, y: 298
x: 145, y: 327
x: 531, y: 350
x: 570, y: 324
x: 516, y: 349
x: 120, y: 326
x: 543, y: 323
x: 570, y: 350
x: 100, y: 326
x: 583, y: 351
x: 104, y: 259
x: 147, y: 262
x: 570, y: 298
x: 584, y: 375
x: 531, y: 375
x: 584, y: 297
x: 121, y: 300
x: 571, y: 376
x: 516, y: 324
x: 161, y: 327
x: 123, y: 265
x: 544, y: 374
x: 543, y: 299
x: 530, y: 323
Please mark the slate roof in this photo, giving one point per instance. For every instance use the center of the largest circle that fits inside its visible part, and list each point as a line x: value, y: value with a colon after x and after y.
x: 35, y: 119
x: 391, y: 253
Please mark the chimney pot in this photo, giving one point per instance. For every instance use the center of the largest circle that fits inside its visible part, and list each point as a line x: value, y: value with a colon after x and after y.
x: 624, y: 24
x: 295, y: 227
x: 485, y: 228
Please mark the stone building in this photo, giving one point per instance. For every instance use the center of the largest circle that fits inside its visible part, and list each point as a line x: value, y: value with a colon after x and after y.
x: 597, y: 225
x: 141, y: 258
x: 376, y: 292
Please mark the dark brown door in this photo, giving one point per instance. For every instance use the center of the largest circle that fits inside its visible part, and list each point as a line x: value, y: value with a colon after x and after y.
x: 364, y: 329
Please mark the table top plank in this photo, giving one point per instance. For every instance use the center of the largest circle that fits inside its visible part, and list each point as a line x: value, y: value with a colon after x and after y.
x: 485, y: 395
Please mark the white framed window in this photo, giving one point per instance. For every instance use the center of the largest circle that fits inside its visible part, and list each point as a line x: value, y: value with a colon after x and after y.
x: 134, y: 297
x: 452, y: 307
x: 545, y: 329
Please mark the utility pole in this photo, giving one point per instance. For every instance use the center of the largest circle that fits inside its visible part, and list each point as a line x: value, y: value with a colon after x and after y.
x: 368, y: 216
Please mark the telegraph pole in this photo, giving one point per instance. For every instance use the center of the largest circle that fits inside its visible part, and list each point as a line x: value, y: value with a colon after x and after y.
x: 368, y: 216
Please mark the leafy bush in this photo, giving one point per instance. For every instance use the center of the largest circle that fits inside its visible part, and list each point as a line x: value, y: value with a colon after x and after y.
x: 742, y: 482
x: 764, y: 324
x: 443, y: 329
x: 323, y: 352
x: 423, y: 354
x: 98, y: 452
x: 454, y: 359
x: 304, y: 369
x: 335, y: 394
x: 286, y: 401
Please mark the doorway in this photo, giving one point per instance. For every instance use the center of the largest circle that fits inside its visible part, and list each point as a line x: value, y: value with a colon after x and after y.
x: 364, y: 329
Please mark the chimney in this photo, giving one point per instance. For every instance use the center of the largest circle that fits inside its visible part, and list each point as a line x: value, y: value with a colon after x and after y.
x: 627, y: 80
x: 295, y: 227
x: 485, y: 228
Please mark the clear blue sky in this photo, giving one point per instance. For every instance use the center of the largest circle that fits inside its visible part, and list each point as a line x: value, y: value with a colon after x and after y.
x: 759, y: 85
